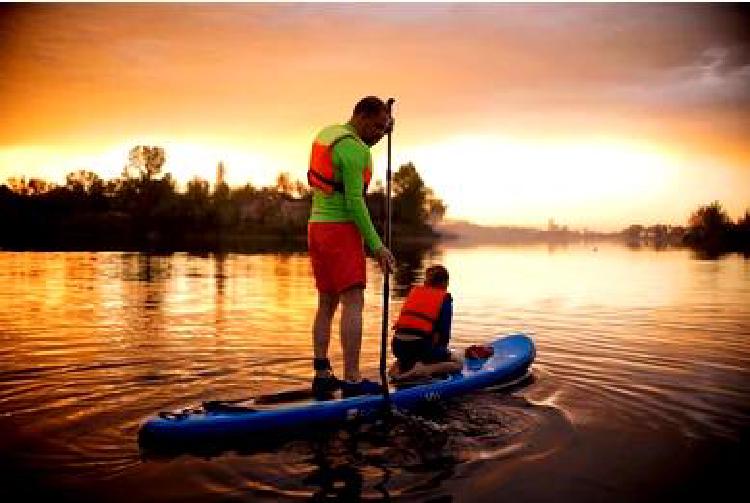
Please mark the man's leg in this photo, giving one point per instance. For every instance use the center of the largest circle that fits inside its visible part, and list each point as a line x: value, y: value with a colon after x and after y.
x: 352, y: 301
x: 327, y: 304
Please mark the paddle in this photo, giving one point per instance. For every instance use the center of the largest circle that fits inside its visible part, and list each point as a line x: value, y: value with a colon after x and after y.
x: 386, y: 272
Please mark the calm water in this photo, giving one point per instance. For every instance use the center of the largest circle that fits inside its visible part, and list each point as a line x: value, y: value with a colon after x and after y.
x: 640, y: 391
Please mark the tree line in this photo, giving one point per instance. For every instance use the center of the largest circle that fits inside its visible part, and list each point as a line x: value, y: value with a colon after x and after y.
x: 709, y: 229
x: 143, y: 208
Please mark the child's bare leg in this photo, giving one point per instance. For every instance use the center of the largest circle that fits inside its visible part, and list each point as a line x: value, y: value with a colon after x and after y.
x: 418, y: 370
x: 423, y: 370
x: 448, y: 367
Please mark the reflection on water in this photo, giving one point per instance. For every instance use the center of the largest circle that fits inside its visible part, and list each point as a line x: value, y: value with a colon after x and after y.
x: 635, y: 341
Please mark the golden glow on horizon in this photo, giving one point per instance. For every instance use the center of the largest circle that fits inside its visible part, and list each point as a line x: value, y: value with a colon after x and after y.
x: 490, y: 179
x: 599, y: 183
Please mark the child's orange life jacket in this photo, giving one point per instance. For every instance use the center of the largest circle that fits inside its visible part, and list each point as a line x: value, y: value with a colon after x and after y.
x: 420, y: 311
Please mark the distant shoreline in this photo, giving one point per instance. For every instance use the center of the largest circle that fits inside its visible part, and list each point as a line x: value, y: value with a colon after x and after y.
x: 276, y: 242
x: 195, y: 242
x: 405, y: 238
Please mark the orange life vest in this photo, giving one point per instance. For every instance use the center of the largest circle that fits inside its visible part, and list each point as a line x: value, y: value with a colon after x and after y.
x: 321, y: 172
x: 420, y: 311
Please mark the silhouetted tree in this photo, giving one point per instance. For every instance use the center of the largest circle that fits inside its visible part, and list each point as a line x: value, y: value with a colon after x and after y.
x: 144, y: 162
x: 301, y: 190
x: 284, y: 184
x: 221, y: 191
x: 414, y: 204
x: 30, y: 187
x: 198, y: 190
x: 743, y: 232
x: 83, y: 181
x: 710, y: 217
x: 709, y: 227
x: 435, y: 208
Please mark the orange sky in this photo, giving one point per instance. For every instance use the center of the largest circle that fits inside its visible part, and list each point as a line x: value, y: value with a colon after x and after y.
x: 597, y: 115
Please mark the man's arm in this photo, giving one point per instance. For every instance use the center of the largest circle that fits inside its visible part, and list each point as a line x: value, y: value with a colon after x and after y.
x: 352, y: 160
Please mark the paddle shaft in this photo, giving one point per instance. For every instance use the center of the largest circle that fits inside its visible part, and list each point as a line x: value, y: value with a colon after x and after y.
x: 386, y: 272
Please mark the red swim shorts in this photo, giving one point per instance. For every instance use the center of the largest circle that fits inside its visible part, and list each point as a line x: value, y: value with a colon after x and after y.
x: 337, y: 255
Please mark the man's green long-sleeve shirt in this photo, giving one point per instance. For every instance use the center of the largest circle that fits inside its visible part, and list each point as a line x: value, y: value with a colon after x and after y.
x: 350, y: 157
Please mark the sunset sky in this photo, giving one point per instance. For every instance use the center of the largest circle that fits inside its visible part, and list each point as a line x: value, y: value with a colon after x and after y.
x: 596, y: 115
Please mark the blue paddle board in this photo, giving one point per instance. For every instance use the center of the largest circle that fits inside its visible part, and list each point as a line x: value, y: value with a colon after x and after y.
x: 511, y: 360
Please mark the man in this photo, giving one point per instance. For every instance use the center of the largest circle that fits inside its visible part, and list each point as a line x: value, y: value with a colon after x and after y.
x: 340, y: 171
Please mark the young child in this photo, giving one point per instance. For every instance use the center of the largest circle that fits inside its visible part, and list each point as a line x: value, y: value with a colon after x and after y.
x: 423, y: 330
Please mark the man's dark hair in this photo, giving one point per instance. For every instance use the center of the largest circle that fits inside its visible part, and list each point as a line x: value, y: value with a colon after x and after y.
x: 369, y: 106
x: 436, y: 275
